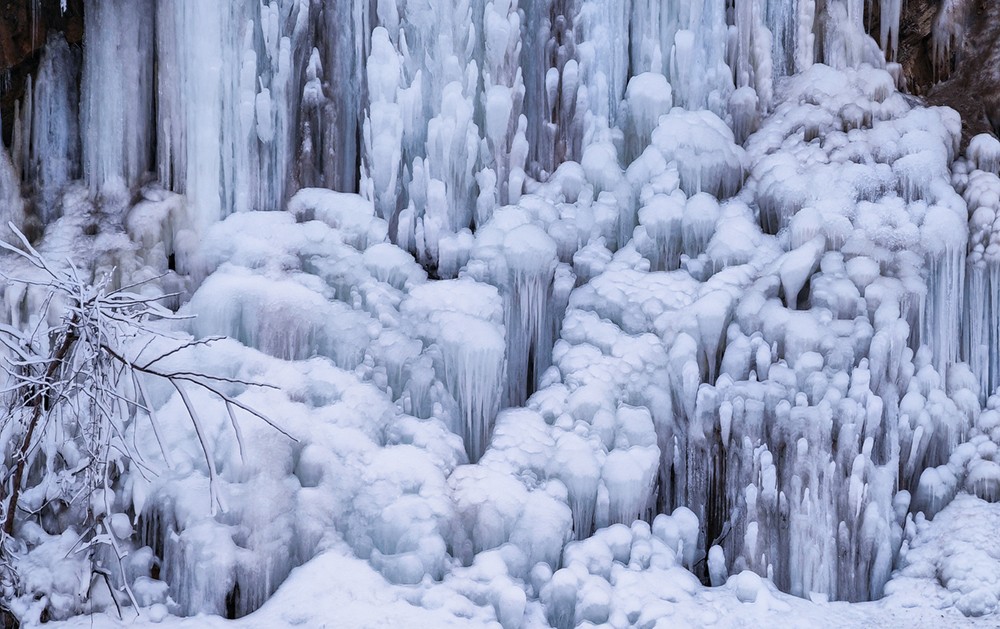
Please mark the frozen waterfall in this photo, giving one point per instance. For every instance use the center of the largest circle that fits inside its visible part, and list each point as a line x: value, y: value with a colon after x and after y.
x: 574, y: 308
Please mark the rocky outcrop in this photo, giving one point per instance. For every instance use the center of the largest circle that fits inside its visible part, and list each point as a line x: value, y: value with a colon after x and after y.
x: 971, y: 82
x: 24, y: 27
x: 949, y: 51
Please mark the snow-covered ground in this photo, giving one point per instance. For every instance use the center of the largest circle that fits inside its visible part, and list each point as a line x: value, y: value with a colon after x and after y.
x: 701, y: 331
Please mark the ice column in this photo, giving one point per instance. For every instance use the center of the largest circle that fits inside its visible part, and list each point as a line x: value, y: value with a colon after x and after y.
x: 982, y: 329
x: 889, y: 26
x: 473, y: 365
x: 653, y: 26
x: 196, y: 46
x: 697, y: 68
x: 228, y: 85
x: 344, y: 42
x: 55, y: 140
x: 551, y: 79
x: 11, y: 204
x: 531, y: 263
x: 753, y: 66
x: 116, y: 116
x: 604, y: 64
x: 383, y: 128
x: 503, y: 97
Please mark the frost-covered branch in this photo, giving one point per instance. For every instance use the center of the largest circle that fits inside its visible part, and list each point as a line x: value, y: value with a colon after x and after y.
x: 76, y: 380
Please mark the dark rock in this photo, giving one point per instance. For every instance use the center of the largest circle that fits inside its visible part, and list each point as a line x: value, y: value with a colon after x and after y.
x: 24, y: 28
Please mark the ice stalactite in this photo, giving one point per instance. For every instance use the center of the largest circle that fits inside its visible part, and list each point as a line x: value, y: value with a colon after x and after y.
x: 473, y: 359
x: 945, y: 239
x: 844, y: 42
x: 661, y: 219
x: 752, y: 62
x: 389, y: 107
x: 443, y: 191
x: 225, y: 129
x: 552, y: 80
x: 698, y: 71
x: 531, y: 263
x: 441, y: 137
x: 982, y: 315
x: 55, y: 141
x: 191, y: 122
x: 647, y: 97
x: 652, y: 28
x: 947, y: 33
x: 782, y: 20
x: 117, y: 93
x: 889, y: 16
x: 805, y: 36
x: 462, y: 321
x: 505, y: 125
x: 674, y: 39
x: 11, y: 203
x: 604, y: 66
x: 316, y: 130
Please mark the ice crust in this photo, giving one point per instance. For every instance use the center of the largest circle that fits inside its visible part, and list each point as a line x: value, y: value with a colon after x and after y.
x: 564, y: 330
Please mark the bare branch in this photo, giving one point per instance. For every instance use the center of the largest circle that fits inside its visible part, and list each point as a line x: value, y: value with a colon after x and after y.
x: 129, y: 287
x: 200, y: 431
x: 141, y: 389
x: 194, y: 343
x: 237, y: 430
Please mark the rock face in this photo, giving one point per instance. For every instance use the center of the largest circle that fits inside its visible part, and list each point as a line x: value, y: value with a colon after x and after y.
x: 949, y: 51
x: 973, y: 85
x: 24, y: 27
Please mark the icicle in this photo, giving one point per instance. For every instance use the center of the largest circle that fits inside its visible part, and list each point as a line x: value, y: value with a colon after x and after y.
x: 889, y: 26
x: 11, y: 203
x: 503, y: 95
x: 947, y: 34
x: 530, y: 318
x: 473, y: 353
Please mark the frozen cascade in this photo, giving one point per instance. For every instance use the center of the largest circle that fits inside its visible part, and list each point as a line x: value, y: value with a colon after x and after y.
x: 568, y: 304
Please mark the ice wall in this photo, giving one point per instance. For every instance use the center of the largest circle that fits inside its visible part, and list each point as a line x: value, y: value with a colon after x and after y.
x: 290, y: 94
x: 608, y: 261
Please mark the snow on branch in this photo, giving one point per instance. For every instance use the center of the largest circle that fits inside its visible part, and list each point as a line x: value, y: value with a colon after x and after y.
x: 77, y: 378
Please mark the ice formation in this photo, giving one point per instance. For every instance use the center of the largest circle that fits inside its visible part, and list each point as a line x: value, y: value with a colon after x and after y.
x: 561, y: 330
